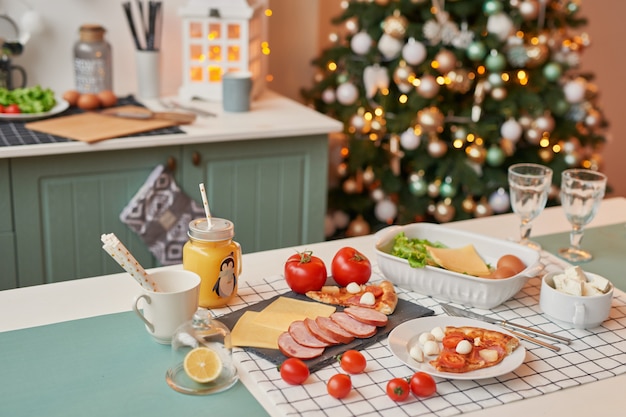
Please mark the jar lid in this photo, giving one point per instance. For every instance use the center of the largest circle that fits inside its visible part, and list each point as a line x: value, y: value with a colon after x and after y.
x: 91, y: 33
x: 221, y: 229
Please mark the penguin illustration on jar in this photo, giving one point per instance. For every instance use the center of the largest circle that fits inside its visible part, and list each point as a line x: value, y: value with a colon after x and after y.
x: 227, y: 280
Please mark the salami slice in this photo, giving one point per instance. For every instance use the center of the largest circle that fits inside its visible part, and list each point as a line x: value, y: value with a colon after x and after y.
x: 293, y: 349
x: 302, y: 335
x: 320, y: 333
x: 353, y: 326
x: 334, y: 329
x: 367, y: 316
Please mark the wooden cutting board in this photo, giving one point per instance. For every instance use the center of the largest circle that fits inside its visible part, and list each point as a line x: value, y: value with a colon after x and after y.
x: 93, y: 127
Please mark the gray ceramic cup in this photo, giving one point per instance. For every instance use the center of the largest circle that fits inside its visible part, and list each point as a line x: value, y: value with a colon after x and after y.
x: 236, y: 89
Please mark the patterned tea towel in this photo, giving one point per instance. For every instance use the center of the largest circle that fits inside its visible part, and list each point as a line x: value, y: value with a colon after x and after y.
x: 160, y: 213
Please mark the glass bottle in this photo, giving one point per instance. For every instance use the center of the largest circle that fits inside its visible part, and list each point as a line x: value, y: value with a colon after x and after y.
x: 211, y: 253
x: 92, y: 60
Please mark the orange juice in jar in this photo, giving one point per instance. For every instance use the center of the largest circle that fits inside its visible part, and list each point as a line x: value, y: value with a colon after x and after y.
x: 212, y: 253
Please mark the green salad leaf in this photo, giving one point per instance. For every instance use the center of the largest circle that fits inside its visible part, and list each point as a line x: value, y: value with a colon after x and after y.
x: 413, y: 250
x: 29, y: 99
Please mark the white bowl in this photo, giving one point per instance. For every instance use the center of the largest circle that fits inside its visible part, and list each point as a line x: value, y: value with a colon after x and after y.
x: 451, y: 286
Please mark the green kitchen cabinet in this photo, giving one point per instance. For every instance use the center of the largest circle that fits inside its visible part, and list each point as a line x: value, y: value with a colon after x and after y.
x: 8, y: 274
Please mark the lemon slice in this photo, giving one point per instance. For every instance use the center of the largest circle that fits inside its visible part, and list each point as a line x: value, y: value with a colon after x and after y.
x: 203, y: 365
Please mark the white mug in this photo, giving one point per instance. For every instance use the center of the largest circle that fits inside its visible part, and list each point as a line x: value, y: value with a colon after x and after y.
x: 584, y: 312
x: 175, y: 302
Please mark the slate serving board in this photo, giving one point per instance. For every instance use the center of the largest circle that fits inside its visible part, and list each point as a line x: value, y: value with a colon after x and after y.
x: 405, y: 310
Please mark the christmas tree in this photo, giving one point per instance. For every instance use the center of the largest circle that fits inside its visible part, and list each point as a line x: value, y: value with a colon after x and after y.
x: 438, y: 98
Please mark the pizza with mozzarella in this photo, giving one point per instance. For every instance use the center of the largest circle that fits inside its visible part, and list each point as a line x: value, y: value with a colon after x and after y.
x: 486, y: 348
x: 381, y: 297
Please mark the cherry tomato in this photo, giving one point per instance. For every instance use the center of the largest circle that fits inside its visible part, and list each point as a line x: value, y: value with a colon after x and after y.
x: 12, y: 108
x: 352, y: 361
x: 350, y: 265
x: 422, y: 384
x: 452, y: 360
x: 305, y: 272
x: 294, y: 371
x: 398, y: 389
x: 339, y: 385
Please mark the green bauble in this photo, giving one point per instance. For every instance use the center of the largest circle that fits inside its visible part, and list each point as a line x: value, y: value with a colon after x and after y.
x: 417, y: 186
x: 495, y: 79
x: 495, y: 156
x: 552, y: 71
x: 560, y: 107
x: 495, y: 61
x: 446, y: 189
x: 491, y: 7
x: 476, y: 51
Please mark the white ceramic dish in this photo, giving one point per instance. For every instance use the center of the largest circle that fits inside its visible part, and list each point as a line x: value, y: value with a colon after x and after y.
x: 403, y: 336
x: 452, y: 286
x: 60, y: 107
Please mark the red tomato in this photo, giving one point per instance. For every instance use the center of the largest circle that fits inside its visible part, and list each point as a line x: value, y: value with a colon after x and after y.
x: 352, y: 361
x: 294, y: 371
x: 452, y: 359
x: 422, y: 384
x: 305, y: 272
x: 350, y: 265
x: 339, y: 385
x: 1, y: 108
x: 398, y: 389
x: 12, y: 108
x: 451, y: 340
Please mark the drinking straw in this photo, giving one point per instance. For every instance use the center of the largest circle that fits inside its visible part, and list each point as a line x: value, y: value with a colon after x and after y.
x: 131, y: 23
x: 126, y: 260
x: 205, y: 202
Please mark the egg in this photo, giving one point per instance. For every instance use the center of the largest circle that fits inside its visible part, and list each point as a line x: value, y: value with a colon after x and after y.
x: 71, y: 96
x: 512, y: 262
x: 88, y: 101
x: 107, y: 98
x: 502, y: 272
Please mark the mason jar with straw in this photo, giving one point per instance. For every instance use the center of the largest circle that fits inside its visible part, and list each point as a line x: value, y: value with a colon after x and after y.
x: 212, y: 253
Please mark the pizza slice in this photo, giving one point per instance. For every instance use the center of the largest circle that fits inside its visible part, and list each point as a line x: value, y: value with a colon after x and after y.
x: 482, y: 348
x: 381, y: 297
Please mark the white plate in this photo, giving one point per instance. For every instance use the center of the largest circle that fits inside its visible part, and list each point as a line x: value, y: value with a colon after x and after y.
x: 403, y: 336
x: 61, y: 106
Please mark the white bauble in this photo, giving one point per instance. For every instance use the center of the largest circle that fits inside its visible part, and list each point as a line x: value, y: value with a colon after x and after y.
x: 341, y: 219
x: 501, y: 25
x: 545, y: 123
x: 414, y: 52
x: 409, y: 140
x: 500, y: 201
x: 428, y: 87
x: 377, y: 194
x: 575, y: 90
x: 511, y: 130
x: 385, y: 210
x: 347, y: 93
x: 328, y: 96
x: 361, y: 43
x: 389, y: 46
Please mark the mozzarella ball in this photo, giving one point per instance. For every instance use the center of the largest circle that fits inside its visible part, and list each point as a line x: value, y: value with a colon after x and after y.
x: 368, y: 299
x: 353, y: 288
x: 416, y: 352
x: 425, y: 337
x: 431, y: 348
x: 463, y: 347
x: 438, y: 333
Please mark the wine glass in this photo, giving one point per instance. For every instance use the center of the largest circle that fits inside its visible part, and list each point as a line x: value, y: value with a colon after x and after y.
x: 581, y: 193
x: 529, y: 185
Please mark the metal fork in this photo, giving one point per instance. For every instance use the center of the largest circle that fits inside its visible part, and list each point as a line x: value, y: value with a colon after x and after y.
x: 173, y: 105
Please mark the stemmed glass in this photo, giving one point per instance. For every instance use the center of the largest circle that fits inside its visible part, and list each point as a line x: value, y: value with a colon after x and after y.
x: 581, y: 193
x: 529, y: 185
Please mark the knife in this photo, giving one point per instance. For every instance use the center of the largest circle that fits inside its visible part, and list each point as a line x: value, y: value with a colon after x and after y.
x: 504, y: 323
x: 178, y: 117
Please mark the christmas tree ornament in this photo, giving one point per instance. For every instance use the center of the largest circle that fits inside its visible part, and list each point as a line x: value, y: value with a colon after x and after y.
x: 495, y: 79
x: 414, y: 52
x: 447, y: 189
x: 378, y: 128
x: 368, y: 176
x: 377, y: 194
x: 441, y: 29
x: 593, y: 118
x: 544, y: 123
x: 495, y: 61
x: 460, y: 80
x: 409, y: 140
x: 529, y: 9
x: 501, y: 25
x: 328, y: 96
x: 445, y: 61
x: 361, y: 43
x: 511, y: 130
x: 476, y: 153
x: 479, y: 96
x: 430, y: 119
x: 403, y: 77
x: 386, y: 211
x: 434, y: 188
x: 546, y: 155
x: 358, y: 227
x: 396, y: 154
x: 359, y: 122
x: 444, y: 211
x: 491, y: 7
x: 342, y: 169
x: 508, y: 147
x: 499, y: 201
x: 347, y: 93
x: 428, y: 86
x: 395, y: 25
x: 468, y: 204
x: 417, y: 185
x: 389, y: 46
x: 437, y: 148
x: 464, y: 38
x: 571, y: 159
x: 498, y: 93
x: 552, y: 71
x: 431, y: 208
x: 537, y: 55
x: 382, y: 2
x: 375, y: 78
x: 533, y: 136
x: 341, y: 219
x: 350, y: 186
x: 495, y: 156
x: 476, y: 51
x: 574, y: 90
x: 482, y: 209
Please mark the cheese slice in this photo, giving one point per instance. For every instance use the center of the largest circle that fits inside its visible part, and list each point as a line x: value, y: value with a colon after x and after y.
x: 284, y: 310
x: 464, y: 260
x: 248, y: 333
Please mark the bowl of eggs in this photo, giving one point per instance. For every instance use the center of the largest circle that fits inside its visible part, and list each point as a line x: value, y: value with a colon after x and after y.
x: 453, y: 265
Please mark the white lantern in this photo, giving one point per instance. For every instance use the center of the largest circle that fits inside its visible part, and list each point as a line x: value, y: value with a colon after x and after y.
x: 221, y: 36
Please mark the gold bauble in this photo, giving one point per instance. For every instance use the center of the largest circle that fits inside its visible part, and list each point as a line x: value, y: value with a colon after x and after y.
x: 483, y: 209
x: 507, y: 146
x: 546, y: 154
x: 403, y: 77
x: 437, y: 148
x: 430, y: 119
x: 368, y: 175
x: 498, y: 93
x: 468, y: 204
x: 537, y: 55
x: 444, y: 211
x: 350, y: 186
x: 446, y: 61
x: 395, y: 25
x: 460, y: 80
x: 433, y: 188
x: 476, y: 153
x: 358, y: 227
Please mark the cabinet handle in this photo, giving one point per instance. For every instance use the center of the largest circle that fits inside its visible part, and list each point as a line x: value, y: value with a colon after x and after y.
x: 195, y: 159
x: 171, y: 164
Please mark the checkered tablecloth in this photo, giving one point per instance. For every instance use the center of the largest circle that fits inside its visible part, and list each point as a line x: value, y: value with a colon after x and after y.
x: 594, y: 355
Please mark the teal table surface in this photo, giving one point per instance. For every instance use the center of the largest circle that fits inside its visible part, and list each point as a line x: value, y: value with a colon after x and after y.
x: 606, y: 243
x: 100, y: 366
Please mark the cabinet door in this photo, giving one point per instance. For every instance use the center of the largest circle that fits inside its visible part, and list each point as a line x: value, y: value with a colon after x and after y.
x: 8, y: 274
x: 63, y: 204
x: 273, y: 190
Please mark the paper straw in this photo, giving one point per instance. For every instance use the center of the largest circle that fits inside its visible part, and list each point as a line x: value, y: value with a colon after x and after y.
x: 126, y: 260
x: 205, y: 202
